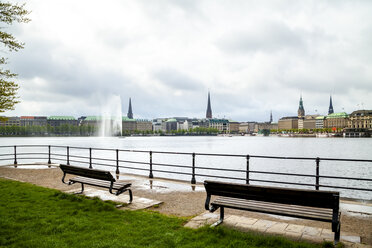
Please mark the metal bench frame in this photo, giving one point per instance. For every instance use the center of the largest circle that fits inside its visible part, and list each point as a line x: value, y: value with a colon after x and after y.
x: 94, y: 177
x: 298, y: 203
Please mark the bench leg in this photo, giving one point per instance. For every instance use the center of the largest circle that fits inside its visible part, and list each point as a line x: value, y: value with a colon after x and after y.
x: 130, y: 196
x: 222, y: 215
x: 82, y: 189
x: 337, y: 234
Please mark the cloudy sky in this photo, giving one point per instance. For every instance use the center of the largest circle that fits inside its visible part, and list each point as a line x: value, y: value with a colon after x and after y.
x: 253, y: 56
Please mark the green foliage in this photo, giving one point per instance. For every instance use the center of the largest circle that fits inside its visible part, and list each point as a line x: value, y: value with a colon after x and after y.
x: 33, y: 216
x: 9, y: 13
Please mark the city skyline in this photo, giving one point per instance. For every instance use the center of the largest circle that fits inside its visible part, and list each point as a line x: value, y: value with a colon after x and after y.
x: 254, y: 57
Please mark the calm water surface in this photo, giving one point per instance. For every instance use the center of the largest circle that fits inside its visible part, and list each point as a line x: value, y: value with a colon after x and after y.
x: 269, y: 146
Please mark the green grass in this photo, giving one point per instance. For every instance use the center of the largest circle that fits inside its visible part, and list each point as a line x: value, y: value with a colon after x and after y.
x: 32, y: 216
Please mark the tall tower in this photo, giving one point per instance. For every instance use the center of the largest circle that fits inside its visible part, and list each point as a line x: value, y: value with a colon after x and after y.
x: 330, y: 109
x: 130, y: 113
x: 271, y: 116
x: 301, y: 110
x: 209, y: 109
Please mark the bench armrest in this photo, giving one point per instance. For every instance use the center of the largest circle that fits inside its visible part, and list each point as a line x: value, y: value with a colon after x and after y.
x: 207, y: 207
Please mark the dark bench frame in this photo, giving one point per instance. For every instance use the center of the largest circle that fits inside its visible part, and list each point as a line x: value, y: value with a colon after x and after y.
x: 94, y: 177
x: 298, y: 203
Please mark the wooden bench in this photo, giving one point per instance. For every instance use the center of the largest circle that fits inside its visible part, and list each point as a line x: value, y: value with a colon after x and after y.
x: 298, y: 203
x: 94, y: 177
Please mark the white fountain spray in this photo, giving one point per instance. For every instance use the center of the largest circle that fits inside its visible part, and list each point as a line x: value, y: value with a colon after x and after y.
x: 111, y: 117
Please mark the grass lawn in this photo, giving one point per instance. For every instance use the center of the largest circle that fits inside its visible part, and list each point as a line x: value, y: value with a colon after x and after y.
x: 32, y: 216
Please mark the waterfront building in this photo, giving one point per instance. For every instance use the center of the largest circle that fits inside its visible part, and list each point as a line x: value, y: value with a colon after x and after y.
x: 360, y: 119
x: 359, y: 124
x: 209, y: 108
x: 330, y: 109
x: 309, y: 122
x: 234, y: 126
x: 222, y: 125
x: 27, y: 121
x: 56, y: 121
x: 128, y: 125
x: 265, y: 126
x: 246, y: 127
x: 170, y: 125
x: 319, y: 122
x: 10, y: 121
x: 130, y: 112
x: 143, y: 125
x: 288, y: 122
x: 336, y: 120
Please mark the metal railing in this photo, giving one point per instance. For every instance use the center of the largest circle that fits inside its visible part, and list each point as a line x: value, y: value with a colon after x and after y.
x: 62, y: 154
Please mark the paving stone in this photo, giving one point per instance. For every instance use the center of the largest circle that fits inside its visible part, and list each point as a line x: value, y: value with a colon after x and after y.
x: 277, y: 228
x: 295, y: 228
x: 350, y: 238
x: 209, y: 215
x: 194, y: 224
x: 327, y: 235
x: 312, y: 231
x: 244, y: 226
x: 263, y: 225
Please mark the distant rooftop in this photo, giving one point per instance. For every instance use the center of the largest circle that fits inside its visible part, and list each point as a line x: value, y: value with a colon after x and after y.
x: 337, y: 115
x: 64, y: 118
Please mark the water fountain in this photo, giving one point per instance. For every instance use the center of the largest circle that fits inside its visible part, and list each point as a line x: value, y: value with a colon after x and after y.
x: 111, y: 117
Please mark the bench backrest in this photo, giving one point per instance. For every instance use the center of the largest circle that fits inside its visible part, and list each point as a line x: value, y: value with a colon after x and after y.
x: 302, y: 197
x: 86, y: 172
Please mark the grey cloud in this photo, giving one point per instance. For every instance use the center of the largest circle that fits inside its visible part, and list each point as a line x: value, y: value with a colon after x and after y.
x: 177, y: 80
x: 269, y: 37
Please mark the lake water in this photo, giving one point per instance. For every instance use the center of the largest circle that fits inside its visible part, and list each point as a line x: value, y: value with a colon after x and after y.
x: 247, y: 145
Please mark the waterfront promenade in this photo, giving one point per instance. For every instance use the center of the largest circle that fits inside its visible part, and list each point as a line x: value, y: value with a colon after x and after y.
x: 182, y: 199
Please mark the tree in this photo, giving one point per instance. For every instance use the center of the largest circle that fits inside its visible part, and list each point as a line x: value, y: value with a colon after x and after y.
x: 9, y: 13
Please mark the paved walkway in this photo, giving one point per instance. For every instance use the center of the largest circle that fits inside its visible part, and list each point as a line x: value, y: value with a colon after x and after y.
x: 295, y: 232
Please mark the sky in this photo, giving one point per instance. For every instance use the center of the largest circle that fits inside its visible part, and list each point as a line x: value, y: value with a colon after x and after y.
x: 253, y: 56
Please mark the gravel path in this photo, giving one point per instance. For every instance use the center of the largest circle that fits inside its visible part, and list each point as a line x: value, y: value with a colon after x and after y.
x: 180, y: 202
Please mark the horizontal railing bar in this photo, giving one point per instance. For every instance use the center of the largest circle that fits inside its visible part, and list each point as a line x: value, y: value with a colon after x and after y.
x: 131, y: 168
x: 235, y: 178
x: 8, y: 154
x: 32, y: 153
x: 172, y: 165
x: 219, y: 169
x: 133, y: 162
x: 173, y: 172
x: 342, y: 187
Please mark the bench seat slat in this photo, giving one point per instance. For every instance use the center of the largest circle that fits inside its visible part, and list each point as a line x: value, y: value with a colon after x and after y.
x: 319, y: 211
x: 100, y: 183
x: 273, y: 208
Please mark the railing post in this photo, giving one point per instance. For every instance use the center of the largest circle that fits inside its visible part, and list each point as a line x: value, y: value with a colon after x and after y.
x: 151, y: 175
x: 15, y: 156
x: 317, y: 173
x: 247, y: 172
x: 90, y: 158
x: 117, y: 161
x: 193, y: 181
x: 49, y: 161
x: 68, y: 155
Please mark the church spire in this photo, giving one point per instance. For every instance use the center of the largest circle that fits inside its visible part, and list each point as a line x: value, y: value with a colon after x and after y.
x: 130, y: 113
x: 271, y: 116
x: 330, y: 109
x: 209, y: 109
x: 301, y: 110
